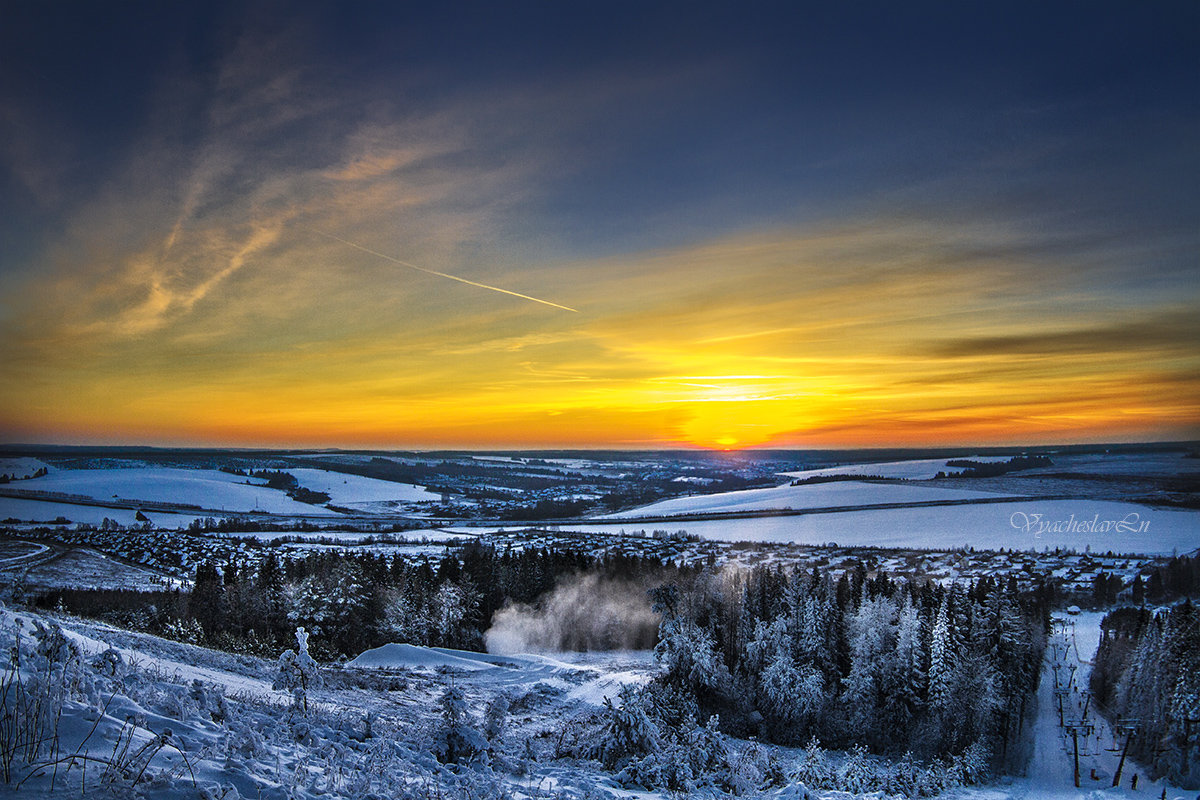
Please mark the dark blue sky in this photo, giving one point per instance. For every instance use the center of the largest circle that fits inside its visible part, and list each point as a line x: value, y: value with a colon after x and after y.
x: 715, y: 114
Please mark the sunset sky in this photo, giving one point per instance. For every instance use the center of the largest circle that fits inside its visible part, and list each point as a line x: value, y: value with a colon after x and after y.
x: 762, y: 224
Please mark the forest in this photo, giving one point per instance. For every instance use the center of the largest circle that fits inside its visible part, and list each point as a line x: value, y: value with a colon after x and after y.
x: 1146, y: 680
x: 781, y: 654
x: 856, y: 660
x: 349, y: 602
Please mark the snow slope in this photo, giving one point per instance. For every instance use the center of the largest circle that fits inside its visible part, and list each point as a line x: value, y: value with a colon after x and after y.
x: 350, y: 490
x: 600, y: 677
x: 371, y: 736
x: 207, y: 488
x: 817, y: 495
x: 409, y: 656
x: 1051, y: 770
x: 20, y: 467
x: 46, y: 511
x: 913, y: 470
x: 987, y: 526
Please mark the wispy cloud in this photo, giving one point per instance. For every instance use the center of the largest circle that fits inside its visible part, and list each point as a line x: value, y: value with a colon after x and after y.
x: 1172, y: 331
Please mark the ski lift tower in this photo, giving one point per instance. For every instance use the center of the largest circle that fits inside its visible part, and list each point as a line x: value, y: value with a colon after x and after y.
x: 1127, y: 726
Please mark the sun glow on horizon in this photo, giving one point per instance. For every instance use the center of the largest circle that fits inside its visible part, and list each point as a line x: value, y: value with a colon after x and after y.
x: 832, y: 363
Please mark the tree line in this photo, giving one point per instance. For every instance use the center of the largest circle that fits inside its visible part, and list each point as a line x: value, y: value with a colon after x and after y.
x: 854, y: 660
x: 1146, y: 680
x: 348, y: 602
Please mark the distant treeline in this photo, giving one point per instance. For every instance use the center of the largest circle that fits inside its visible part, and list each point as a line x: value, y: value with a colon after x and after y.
x: 991, y: 469
x: 1177, y: 579
x: 836, y: 478
x: 6, y: 478
x: 1146, y: 679
x: 283, y: 481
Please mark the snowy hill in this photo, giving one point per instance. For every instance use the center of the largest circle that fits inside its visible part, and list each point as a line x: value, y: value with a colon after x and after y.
x: 153, y: 718
x: 808, y: 496
x: 205, y: 488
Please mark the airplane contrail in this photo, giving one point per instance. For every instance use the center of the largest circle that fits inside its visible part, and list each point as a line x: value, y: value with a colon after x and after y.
x: 442, y: 274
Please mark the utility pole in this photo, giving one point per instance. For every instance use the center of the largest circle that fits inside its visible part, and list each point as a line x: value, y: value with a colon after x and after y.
x: 1075, y: 742
x: 1186, y: 747
x: 1121, y: 764
x: 1059, y: 694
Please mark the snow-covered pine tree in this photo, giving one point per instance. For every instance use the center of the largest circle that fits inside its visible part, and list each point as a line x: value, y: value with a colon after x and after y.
x: 627, y: 733
x: 871, y: 636
x: 942, y: 659
x: 457, y: 740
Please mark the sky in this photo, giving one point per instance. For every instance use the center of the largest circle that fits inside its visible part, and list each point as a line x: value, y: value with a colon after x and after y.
x: 620, y: 225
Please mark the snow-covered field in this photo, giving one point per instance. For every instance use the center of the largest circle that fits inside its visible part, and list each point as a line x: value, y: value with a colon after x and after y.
x: 913, y: 470
x: 46, y: 511
x: 20, y: 467
x: 352, y: 490
x: 816, y: 495
x: 207, y: 488
x: 1151, y: 464
x: 81, y: 568
x: 1025, y: 525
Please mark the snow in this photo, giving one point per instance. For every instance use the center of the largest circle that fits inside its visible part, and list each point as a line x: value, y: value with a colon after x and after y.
x: 1050, y: 774
x: 257, y: 745
x: 408, y: 656
x: 1152, y: 464
x: 600, y: 678
x: 349, y: 490
x: 597, y: 676
x: 816, y: 495
x: 984, y: 526
x: 913, y: 470
x: 607, y: 687
x: 206, y: 488
x: 20, y: 467
x: 46, y: 511
x: 86, y: 637
x: 22, y: 552
x: 84, y: 568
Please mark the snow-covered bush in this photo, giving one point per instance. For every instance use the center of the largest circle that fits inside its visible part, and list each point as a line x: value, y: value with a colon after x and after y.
x: 626, y: 733
x: 297, y: 672
x: 35, y: 686
x: 495, y: 718
x: 753, y: 768
x: 457, y: 740
x: 109, y: 663
x: 187, y: 629
x: 815, y: 769
x: 691, y: 757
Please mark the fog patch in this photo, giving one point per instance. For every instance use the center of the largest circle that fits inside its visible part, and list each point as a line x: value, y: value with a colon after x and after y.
x: 584, y: 612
